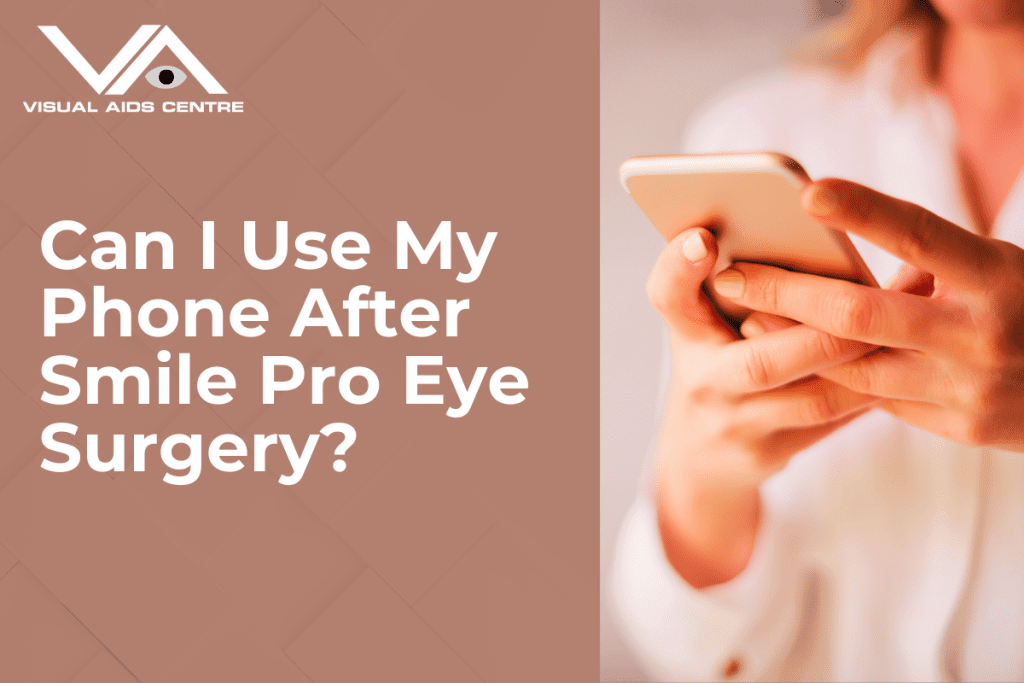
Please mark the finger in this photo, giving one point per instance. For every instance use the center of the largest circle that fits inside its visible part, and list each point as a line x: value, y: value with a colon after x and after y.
x: 896, y: 374
x: 789, y: 441
x: 949, y: 424
x: 905, y: 230
x: 809, y: 403
x: 845, y: 309
x: 674, y: 287
x: 757, y: 323
x: 912, y: 280
x: 784, y: 356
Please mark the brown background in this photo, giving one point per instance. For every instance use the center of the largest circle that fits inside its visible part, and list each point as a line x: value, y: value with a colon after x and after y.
x: 455, y: 550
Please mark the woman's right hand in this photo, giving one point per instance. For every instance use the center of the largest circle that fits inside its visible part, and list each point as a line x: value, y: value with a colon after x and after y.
x: 737, y: 410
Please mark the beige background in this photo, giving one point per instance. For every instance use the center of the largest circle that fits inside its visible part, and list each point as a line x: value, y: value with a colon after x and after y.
x: 659, y: 60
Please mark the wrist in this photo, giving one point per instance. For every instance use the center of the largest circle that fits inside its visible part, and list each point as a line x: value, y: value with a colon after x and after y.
x: 708, y: 529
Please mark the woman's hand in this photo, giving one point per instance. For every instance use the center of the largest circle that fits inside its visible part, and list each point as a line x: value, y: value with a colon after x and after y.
x: 737, y: 410
x: 955, y: 358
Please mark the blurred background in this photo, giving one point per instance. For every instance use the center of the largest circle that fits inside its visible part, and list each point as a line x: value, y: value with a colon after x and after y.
x: 660, y: 59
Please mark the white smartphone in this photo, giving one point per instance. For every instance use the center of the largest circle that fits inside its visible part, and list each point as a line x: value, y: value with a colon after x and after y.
x: 750, y: 202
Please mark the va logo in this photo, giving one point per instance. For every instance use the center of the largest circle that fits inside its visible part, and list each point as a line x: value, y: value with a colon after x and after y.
x: 161, y: 76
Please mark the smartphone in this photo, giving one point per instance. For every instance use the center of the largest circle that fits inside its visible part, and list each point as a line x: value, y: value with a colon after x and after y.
x: 751, y: 203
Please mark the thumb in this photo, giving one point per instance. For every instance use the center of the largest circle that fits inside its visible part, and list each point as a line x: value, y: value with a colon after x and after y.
x: 674, y: 287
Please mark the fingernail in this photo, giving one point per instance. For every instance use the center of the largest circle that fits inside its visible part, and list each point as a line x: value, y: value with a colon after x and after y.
x: 694, y: 249
x: 751, y: 328
x: 823, y: 201
x: 729, y: 283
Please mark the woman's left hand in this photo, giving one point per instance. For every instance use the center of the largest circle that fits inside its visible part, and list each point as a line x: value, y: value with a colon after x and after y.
x: 952, y: 360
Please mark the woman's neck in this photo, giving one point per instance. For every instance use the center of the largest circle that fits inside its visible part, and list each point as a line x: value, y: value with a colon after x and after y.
x: 981, y: 74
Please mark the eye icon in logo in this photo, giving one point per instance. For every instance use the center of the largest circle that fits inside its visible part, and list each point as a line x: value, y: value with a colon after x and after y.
x: 165, y: 77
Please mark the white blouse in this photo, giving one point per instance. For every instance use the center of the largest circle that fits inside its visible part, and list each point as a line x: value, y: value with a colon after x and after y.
x: 885, y: 552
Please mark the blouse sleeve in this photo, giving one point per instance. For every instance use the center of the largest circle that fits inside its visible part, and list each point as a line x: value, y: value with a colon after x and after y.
x: 742, y: 628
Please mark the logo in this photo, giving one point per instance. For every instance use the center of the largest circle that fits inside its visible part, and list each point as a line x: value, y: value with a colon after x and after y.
x: 161, y: 76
